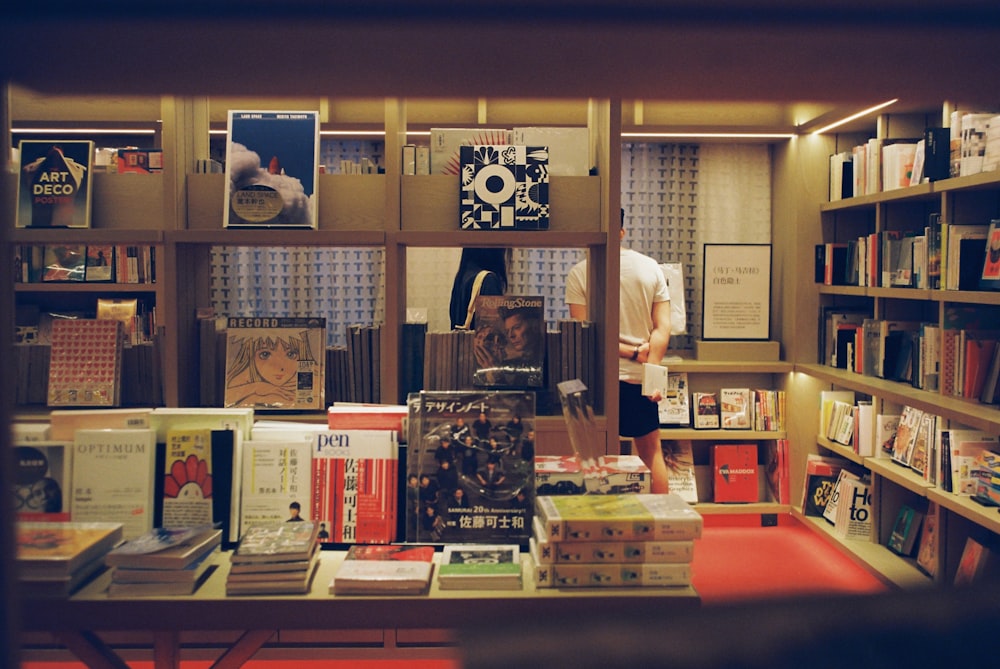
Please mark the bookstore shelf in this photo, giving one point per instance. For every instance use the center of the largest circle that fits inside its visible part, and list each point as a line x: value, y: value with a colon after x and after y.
x: 840, y: 450
x: 84, y: 287
x: 916, y: 294
x: 964, y: 506
x: 899, y: 474
x: 893, y: 570
x: 720, y: 435
x: 923, y: 191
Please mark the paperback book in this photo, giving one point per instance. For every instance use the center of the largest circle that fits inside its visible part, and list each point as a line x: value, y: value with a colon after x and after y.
x: 480, y: 567
x: 652, y: 517
x: 275, y: 363
x: 85, y: 363
x: 510, y: 341
x: 55, y: 558
x: 560, y: 575
x: 276, y: 481
x: 292, y: 583
x: 113, y: 475
x: 470, y: 462
x: 188, y: 478
x: 165, y: 549
x: 54, y: 184
x: 675, y: 407
x: 276, y: 542
x: 735, y: 473
x: 736, y: 408
x: 384, y: 569
x: 547, y: 551
x: 905, y: 531
x: 706, y: 410
x: 272, y: 169
x: 64, y: 262
x: 681, y: 475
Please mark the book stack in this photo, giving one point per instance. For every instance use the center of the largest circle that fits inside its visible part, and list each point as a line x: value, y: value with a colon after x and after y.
x: 614, y: 541
x: 563, y: 474
x: 165, y: 561
x: 54, y: 558
x: 384, y: 569
x: 480, y: 567
x: 274, y: 559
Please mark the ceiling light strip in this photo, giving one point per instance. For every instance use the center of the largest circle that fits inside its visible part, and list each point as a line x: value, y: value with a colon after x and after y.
x: 863, y: 112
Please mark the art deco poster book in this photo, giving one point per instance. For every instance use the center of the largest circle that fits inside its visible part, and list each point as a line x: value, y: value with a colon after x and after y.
x: 272, y: 169
x: 54, y: 184
x: 470, y: 467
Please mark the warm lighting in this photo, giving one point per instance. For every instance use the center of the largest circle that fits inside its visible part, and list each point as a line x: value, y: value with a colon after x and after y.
x: 82, y: 131
x: 863, y: 112
x: 707, y: 135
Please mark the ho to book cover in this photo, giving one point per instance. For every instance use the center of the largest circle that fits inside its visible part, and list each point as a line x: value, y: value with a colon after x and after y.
x: 275, y: 362
x: 272, y: 169
x: 54, y: 184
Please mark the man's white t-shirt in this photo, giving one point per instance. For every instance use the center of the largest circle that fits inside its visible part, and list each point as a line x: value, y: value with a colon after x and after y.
x: 641, y: 285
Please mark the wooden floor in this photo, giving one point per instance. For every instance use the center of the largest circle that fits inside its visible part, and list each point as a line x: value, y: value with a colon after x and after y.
x: 736, y: 560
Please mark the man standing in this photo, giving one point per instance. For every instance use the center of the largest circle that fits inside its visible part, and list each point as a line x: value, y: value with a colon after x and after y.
x: 643, y: 335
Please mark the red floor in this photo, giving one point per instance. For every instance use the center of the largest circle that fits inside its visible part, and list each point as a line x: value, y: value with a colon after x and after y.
x: 735, y: 560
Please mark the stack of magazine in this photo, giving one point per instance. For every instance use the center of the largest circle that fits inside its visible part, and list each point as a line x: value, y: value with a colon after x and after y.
x: 275, y: 559
x: 164, y: 561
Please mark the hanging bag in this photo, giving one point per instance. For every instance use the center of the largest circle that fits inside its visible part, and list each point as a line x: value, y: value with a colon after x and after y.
x: 477, y: 285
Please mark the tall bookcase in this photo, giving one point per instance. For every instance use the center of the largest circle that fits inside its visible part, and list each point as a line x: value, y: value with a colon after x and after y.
x: 181, y: 213
x: 959, y: 200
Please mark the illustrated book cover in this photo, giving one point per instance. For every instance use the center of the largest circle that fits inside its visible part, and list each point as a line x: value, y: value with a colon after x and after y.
x: 736, y: 408
x: 276, y: 363
x: 628, y: 517
x: 735, y: 473
x: 100, y: 263
x: 42, y: 480
x: 188, y: 478
x: 973, y: 564
x: 929, y: 542
x: 272, y: 169
x: 821, y: 477
x: 54, y: 185
x: 354, y: 476
x: 380, y: 569
x: 55, y: 549
x: 504, y: 187
x: 276, y: 542
x: 509, y: 342
x: 706, y: 410
x: 85, y: 363
x: 483, y: 567
x: 470, y: 467
x: 113, y: 475
x: 905, y: 531
x: 675, y: 407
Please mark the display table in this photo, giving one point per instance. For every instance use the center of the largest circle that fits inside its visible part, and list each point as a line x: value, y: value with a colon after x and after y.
x: 75, y: 621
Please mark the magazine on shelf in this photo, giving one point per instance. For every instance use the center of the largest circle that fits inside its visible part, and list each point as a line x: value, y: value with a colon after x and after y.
x: 470, y: 464
x: 510, y: 341
x: 272, y: 169
x: 504, y: 187
x: 275, y: 362
x: 54, y: 183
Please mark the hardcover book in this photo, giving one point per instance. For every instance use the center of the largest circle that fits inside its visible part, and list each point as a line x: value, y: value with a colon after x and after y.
x: 510, y: 341
x: 679, y: 455
x: 85, y: 363
x: 272, y: 169
x: 854, y: 519
x: 161, y: 582
x: 384, y: 569
x: 100, y: 262
x: 480, y: 567
x: 905, y: 531
x: 504, y: 187
x: 54, y: 184
x: 354, y: 477
x: 628, y: 517
x: 64, y: 262
x: 821, y: 477
x: 563, y: 474
x: 927, y: 552
x: 188, y: 478
x: 675, y: 407
x: 546, y: 551
x: 64, y: 423
x: 42, y: 480
x: 112, y: 474
x: 276, y: 363
x: 734, y: 468
x: 472, y: 457
x: 976, y: 558
x: 286, y: 584
x: 777, y: 470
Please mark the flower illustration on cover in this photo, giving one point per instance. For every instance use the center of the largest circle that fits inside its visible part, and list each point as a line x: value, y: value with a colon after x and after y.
x: 189, y: 479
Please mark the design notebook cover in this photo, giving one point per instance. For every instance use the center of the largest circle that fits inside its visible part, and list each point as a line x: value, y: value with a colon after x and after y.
x: 470, y: 471
x: 504, y: 187
x: 510, y: 341
x: 272, y: 169
x: 54, y: 184
x: 275, y: 363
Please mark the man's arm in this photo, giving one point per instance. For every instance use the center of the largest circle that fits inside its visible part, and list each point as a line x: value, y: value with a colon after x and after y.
x: 578, y: 312
x: 660, y: 337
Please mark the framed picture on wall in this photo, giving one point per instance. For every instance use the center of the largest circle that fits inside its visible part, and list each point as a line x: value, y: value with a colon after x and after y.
x: 736, y: 292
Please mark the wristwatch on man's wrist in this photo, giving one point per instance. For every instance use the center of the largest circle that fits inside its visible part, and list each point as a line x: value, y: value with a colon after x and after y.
x: 635, y: 354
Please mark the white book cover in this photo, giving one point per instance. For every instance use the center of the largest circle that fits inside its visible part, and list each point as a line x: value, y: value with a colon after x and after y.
x: 446, y: 142
x: 113, y: 472
x: 854, y: 517
x: 276, y: 481
x: 991, y: 156
x: 675, y: 405
x: 864, y: 444
x: 569, y: 148
x: 830, y: 512
x: 736, y: 408
x: 885, y: 433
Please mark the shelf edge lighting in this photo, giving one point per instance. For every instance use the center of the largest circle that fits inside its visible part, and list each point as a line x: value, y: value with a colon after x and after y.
x: 863, y: 112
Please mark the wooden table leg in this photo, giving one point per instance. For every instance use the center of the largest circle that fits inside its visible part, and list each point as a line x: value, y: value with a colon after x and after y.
x: 166, y: 649
x: 244, y: 648
x: 90, y: 649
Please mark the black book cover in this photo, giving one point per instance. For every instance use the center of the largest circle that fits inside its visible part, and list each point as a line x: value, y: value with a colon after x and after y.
x: 223, y: 445
x: 937, y: 152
